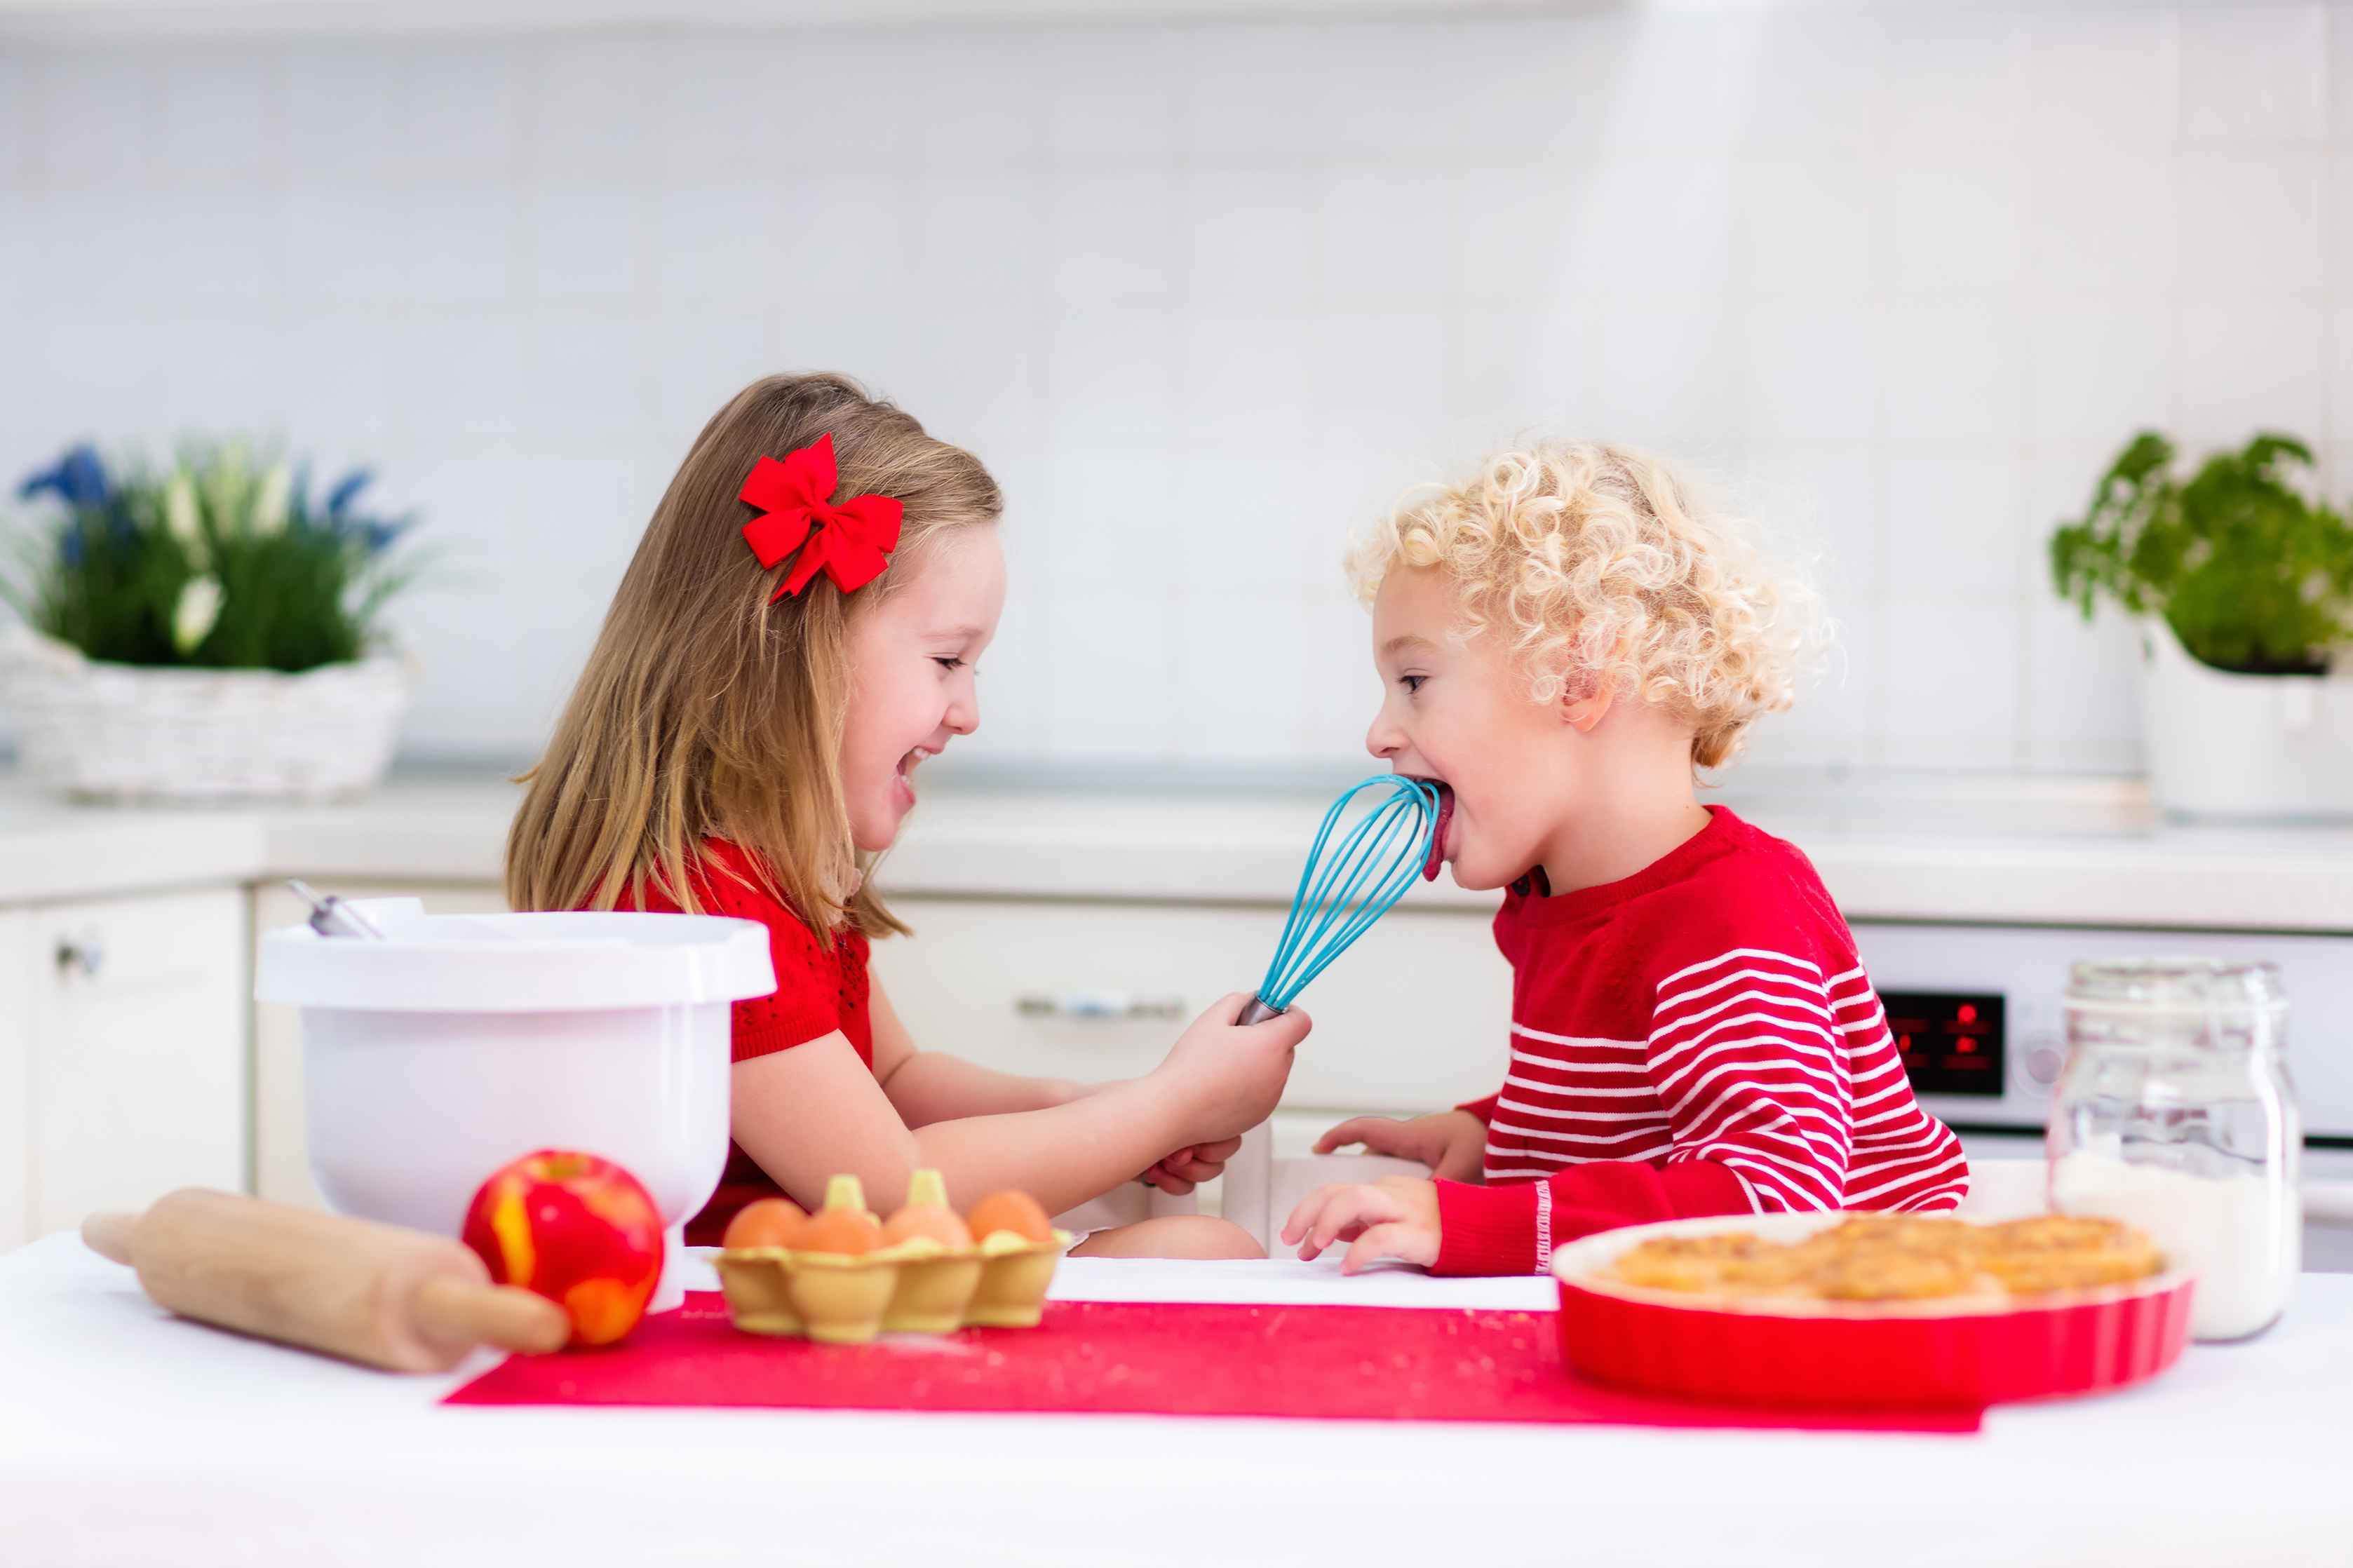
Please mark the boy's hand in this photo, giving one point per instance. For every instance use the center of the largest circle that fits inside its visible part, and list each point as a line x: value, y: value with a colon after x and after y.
x: 1226, y: 1079
x: 1452, y: 1143
x: 1395, y: 1216
x: 1188, y: 1167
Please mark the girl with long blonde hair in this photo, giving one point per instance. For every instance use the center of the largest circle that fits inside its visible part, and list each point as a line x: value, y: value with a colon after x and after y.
x: 796, y: 634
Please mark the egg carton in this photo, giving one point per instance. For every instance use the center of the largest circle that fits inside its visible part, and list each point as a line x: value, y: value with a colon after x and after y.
x: 918, y: 1286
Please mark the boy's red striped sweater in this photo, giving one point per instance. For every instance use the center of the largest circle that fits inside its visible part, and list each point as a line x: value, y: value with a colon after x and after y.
x: 1699, y: 1038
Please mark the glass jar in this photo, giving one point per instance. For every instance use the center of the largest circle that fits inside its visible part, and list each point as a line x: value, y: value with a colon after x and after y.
x: 2174, y: 1113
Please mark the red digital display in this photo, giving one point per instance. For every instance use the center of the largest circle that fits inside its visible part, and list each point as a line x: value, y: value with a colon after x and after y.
x: 1951, y: 1042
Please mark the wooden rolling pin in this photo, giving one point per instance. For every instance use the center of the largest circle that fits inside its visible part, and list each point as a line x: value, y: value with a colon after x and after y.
x: 371, y: 1293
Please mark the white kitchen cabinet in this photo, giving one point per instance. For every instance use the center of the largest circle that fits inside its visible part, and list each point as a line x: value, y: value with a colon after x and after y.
x: 135, y: 1035
x: 282, y: 1159
x: 16, y: 1077
x: 1414, y: 1017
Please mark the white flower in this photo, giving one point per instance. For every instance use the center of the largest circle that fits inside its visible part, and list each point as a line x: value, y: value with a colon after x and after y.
x: 193, y: 617
x: 269, y: 506
x: 179, y: 514
x: 228, y: 486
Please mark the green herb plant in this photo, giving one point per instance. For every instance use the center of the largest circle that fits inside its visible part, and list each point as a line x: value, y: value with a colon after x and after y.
x: 2252, y: 572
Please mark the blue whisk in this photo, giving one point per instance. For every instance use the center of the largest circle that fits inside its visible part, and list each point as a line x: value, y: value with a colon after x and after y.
x: 1339, y: 900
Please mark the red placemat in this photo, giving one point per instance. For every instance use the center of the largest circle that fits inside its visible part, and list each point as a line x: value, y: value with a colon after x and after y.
x: 1340, y: 1363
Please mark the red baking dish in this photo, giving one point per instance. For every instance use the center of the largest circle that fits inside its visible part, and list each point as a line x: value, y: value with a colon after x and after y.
x: 1924, y: 1355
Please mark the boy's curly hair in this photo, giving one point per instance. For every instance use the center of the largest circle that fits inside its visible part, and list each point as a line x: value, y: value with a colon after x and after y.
x: 1599, y: 568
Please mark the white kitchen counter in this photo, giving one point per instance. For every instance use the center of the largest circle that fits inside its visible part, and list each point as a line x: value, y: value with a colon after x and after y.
x: 130, y: 1436
x: 2054, y: 852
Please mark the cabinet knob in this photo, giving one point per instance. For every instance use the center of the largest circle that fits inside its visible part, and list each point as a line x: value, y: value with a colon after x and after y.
x: 1098, y: 1005
x: 85, y: 954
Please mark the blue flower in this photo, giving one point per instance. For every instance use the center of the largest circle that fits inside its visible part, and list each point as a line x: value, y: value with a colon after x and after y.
x: 378, y: 536
x: 71, y: 547
x: 347, y: 489
x: 78, y: 479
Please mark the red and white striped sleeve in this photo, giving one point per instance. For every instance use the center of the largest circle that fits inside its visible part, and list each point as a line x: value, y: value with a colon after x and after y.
x: 1746, y: 1060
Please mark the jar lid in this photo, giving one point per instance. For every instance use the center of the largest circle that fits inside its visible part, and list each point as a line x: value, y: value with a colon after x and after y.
x: 2200, y: 987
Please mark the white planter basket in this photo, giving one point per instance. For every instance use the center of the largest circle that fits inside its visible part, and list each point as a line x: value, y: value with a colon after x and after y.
x: 128, y: 732
x: 2229, y: 745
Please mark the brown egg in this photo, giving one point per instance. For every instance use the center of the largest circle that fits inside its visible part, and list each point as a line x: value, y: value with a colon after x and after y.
x: 842, y: 1227
x: 844, y: 1231
x: 1017, y: 1211
x: 927, y: 1215
x: 770, y: 1222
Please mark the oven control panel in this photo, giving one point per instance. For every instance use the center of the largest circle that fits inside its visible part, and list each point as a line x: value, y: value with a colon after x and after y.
x: 1952, y: 1042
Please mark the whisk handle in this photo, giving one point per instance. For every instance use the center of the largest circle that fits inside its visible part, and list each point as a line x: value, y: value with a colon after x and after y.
x: 1257, y: 1012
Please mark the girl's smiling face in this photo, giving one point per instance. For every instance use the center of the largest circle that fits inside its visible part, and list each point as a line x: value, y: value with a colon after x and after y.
x: 912, y: 658
x: 1455, y: 711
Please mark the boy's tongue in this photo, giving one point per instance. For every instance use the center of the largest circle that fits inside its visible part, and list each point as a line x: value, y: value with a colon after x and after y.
x: 1438, y: 835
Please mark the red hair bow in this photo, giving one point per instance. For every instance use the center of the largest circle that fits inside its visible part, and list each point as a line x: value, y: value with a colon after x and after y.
x: 852, y: 540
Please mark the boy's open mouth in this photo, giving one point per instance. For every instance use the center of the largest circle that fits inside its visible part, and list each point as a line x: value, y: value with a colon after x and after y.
x: 1438, y: 835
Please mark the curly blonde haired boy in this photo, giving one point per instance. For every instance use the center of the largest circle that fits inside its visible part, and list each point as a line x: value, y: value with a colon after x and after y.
x: 1563, y: 641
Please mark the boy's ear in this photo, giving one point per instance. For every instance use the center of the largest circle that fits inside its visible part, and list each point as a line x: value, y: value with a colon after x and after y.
x: 1582, y: 713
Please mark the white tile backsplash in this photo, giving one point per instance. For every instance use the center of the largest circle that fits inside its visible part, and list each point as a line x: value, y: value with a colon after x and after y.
x: 587, y: 242
x: 1813, y: 368
x: 1253, y: 241
x: 1669, y: 372
x: 1953, y: 521
x: 1808, y: 224
x: 2251, y: 223
x: 1652, y: 227
x: 219, y: 113
x: 1954, y: 222
x: 2083, y: 690
x: 1961, y: 88
x: 2098, y: 363
x: 1387, y: 236
x: 1250, y: 381
x: 1114, y: 235
x: 2253, y: 364
x: 719, y: 243
x: 1954, y: 367
x: 98, y: 114
x: 2252, y: 75
x: 1116, y: 657
x: 1808, y: 80
x: 1240, y: 697
x: 2339, y: 85
x: 2104, y: 220
x: 1954, y: 683
x: 981, y: 232
x: 1208, y: 294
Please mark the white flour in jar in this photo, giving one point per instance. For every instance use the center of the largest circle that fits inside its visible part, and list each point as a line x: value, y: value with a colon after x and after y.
x: 2241, y: 1235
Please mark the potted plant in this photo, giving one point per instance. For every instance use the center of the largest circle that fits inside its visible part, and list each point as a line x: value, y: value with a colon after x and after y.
x: 2243, y: 583
x: 204, y: 633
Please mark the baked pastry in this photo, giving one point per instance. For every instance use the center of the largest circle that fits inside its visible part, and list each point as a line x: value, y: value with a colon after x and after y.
x: 1896, y: 1258
x: 1686, y: 1262
x: 2068, y: 1252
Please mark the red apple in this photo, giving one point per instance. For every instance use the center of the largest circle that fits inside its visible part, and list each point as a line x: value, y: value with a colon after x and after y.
x: 578, y: 1230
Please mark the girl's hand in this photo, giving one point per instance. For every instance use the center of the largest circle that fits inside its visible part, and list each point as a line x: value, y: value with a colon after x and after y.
x: 1452, y: 1143
x: 1189, y: 1167
x: 1395, y: 1216
x: 1224, y: 1079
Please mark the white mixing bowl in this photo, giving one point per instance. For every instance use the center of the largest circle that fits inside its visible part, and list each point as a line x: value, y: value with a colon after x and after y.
x: 459, y: 1043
